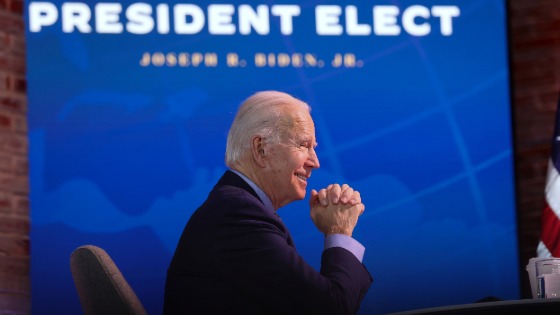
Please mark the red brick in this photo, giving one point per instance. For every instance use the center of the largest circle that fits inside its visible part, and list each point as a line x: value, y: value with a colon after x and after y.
x: 4, y: 42
x: 534, y: 80
x: 14, y: 225
x: 21, y: 205
x: 20, y: 124
x: 17, y: 47
x: 533, y: 64
x: 13, y: 183
x: 17, y: 265
x: 20, y: 166
x: 6, y: 163
x: 550, y: 41
x: 5, y: 122
x: 12, y: 304
x: 13, y: 64
x: 5, y: 203
x: 12, y: 143
x: 16, y: 6
x: 549, y: 101
x: 14, y: 103
x: 11, y: 23
x: 19, y: 84
x: 14, y: 246
x: 14, y: 191
x: 527, y: 5
x: 15, y: 284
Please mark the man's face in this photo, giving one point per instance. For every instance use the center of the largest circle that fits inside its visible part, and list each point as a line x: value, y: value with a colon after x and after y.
x: 289, y: 163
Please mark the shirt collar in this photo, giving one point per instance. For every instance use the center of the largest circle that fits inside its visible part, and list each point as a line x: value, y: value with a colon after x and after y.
x: 267, y: 202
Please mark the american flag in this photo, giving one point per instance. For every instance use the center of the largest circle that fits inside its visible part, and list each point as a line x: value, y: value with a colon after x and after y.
x: 550, y: 234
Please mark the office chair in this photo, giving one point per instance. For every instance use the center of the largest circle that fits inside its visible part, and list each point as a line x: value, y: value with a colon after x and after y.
x: 101, y: 287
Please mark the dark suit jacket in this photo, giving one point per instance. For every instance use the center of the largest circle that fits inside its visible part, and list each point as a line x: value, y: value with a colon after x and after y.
x: 237, y: 257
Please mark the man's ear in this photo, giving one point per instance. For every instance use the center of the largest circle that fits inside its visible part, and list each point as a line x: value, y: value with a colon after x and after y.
x: 257, y: 150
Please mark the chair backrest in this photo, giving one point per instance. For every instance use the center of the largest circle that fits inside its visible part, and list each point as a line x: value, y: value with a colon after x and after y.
x: 101, y: 287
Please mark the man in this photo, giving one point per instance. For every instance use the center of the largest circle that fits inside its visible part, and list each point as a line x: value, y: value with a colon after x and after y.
x: 235, y: 255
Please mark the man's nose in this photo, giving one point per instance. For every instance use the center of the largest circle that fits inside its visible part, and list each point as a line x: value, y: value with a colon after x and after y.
x: 313, y: 159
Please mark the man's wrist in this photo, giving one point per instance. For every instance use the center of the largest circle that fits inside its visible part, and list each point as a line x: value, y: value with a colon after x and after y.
x: 335, y: 230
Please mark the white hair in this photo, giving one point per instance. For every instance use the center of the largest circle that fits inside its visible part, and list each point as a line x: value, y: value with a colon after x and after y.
x: 262, y: 115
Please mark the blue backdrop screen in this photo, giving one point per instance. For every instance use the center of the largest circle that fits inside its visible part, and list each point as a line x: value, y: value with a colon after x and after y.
x: 130, y: 103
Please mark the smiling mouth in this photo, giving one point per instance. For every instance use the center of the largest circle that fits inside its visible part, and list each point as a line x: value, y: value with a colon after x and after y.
x: 302, y: 177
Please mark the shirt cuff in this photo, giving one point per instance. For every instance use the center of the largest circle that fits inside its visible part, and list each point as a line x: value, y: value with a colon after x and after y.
x: 346, y: 242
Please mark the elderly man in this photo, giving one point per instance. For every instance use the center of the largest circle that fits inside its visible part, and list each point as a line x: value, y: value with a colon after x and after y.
x: 235, y: 255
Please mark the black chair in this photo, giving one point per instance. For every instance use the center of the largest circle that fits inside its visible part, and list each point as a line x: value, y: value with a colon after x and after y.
x: 101, y: 287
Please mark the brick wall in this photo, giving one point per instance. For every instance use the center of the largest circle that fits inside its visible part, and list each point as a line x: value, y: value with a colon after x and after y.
x: 535, y: 61
x: 535, y: 76
x: 14, y: 203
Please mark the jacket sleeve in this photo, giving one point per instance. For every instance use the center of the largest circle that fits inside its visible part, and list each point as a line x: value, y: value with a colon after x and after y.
x: 256, y: 258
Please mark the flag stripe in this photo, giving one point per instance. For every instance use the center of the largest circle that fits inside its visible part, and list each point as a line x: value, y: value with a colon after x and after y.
x: 542, y: 251
x: 550, y: 231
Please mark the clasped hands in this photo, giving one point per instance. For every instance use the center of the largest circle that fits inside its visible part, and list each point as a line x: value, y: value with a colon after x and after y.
x: 335, y: 209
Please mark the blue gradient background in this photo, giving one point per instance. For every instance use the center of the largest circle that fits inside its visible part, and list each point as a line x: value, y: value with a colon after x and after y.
x: 121, y: 155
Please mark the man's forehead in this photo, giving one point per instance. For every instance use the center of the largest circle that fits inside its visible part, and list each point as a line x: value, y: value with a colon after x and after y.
x: 303, y: 132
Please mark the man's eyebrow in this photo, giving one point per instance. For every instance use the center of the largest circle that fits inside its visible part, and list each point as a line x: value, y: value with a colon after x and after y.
x: 308, y: 139
x: 305, y: 138
x: 315, y: 144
